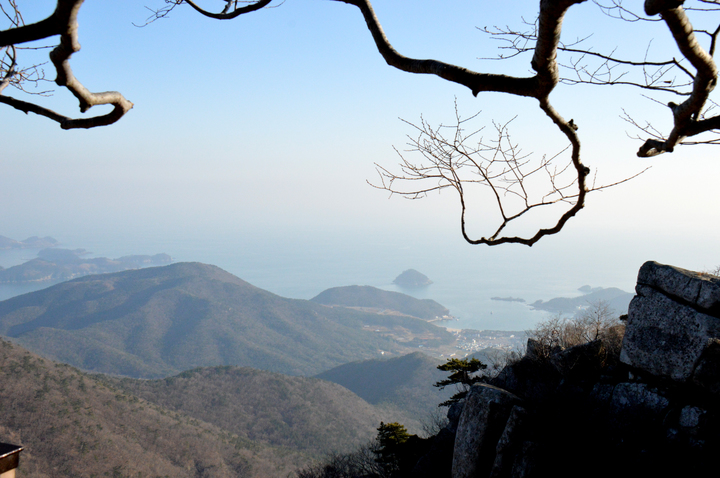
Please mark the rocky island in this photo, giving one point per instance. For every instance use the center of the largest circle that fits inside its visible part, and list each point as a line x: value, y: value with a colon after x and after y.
x: 508, y: 299
x: 412, y: 279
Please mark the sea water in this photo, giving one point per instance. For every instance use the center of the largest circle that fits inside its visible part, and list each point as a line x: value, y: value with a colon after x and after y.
x: 465, y: 279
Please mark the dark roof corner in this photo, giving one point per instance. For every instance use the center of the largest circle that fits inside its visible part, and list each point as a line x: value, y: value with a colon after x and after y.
x: 9, y: 459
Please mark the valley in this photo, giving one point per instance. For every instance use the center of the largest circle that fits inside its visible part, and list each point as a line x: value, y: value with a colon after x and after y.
x: 209, y: 375
x: 194, y: 372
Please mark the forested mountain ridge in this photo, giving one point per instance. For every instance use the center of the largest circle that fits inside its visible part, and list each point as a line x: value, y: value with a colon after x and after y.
x: 405, y: 382
x: 208, y: 422
x: 307, y: 414
x: 73, y: 425
x: 160, y: 321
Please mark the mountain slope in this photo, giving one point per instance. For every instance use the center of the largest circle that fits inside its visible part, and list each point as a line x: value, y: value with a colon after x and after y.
x: 306, y: 414
x: 371, y: 297
x: 71, y: 424
x: 405, y: 383
x: 160, y: 321
x: 208, y: 422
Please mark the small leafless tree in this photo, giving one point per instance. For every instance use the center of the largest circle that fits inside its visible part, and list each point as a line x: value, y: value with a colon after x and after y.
x: 597, y: 322
x: 360, y: 463
x: 457, y: 160
x: 518, y: 183
x: 435, y: 421
x: 498, y: 359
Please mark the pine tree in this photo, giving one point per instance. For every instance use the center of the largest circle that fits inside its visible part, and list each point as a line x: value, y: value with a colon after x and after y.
x: 461, y: 376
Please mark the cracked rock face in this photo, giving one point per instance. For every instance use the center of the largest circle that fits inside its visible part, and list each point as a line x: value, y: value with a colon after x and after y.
x: 482, y: 423
x: 671, y: 321
x: 701, y: 291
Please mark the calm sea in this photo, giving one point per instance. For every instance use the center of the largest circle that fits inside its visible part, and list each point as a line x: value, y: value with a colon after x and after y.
x: 464, y: 278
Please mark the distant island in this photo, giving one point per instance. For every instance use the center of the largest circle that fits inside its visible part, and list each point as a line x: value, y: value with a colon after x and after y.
x: 57, y: 265
x: 371, y: 299
x: 586, y: 289
x: 617, y: 299
x: 508, y: 299
x: 412, y: 278
x: 33, y: 242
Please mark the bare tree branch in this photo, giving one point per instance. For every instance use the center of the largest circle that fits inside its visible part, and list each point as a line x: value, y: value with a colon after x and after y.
x: 63, y: 22
x: 232, y: 9
x: 616, y: 9
x: 500, y: 166
x: 686, y: 114
x: 476, y: 82
x: 460, y: 161
x: 544, y: 63
x: 576, y: 70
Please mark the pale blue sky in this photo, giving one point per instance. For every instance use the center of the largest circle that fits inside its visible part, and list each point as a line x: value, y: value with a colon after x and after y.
x: 271, y: 123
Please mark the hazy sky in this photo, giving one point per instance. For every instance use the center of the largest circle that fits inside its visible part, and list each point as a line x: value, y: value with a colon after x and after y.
x: 269, y: 125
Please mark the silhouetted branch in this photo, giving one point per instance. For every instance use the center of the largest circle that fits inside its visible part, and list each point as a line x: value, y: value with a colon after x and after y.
x: 687, y: 113
x: 461, y: 160
x: 540, y: 86
x: 232, y: 9
x: 506, y: 173
x: 63, y: 22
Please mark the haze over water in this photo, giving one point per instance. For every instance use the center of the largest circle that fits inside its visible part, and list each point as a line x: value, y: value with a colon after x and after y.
x: 266, y: 178
x: 464, y: 278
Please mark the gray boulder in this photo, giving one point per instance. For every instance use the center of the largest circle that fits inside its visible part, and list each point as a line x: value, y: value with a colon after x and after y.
x: 482, y: 423
x: 707, y: 372
x: 509, y: 446
x: 453, y: 415
x: 575, y: 411
x: 525, y: 463
x: 690, y: 416
x: 671, y: 320
x: 532, y: 379
x: 694, y: 288
x: 637, y: 405
x: 580, y: 361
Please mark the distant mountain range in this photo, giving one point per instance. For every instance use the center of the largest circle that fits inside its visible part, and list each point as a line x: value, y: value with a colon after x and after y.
x: 380, y: 300
x: 160, y: 321
x: 30, y: 243
x: 56, y: 265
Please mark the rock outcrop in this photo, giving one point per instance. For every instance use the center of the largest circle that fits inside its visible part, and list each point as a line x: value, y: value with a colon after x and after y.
x: 673, y: 321
x: 652, y: 408
x: 482, y: 425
